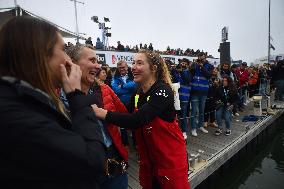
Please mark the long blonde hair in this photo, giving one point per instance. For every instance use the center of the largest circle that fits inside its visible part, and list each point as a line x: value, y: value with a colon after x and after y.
x: 162, y: 70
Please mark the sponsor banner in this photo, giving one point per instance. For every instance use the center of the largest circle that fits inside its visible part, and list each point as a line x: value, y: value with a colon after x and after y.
x: 113, y: 57
x: 214, y: 61
x: 101, y: 58
x: 116, y: 57
x: 171, y: 59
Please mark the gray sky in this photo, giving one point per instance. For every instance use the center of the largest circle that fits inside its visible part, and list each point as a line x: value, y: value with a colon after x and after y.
x: 195, y: 24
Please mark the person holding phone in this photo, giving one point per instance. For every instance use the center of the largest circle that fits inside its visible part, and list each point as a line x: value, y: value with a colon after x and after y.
x: 160, y: 142
x: 201, y: 72
x: 41, y: 146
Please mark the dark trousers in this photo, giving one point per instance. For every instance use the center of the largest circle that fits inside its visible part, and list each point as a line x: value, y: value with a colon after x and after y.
x: 124, y: 136
x: 210, y: 110
x: 253, y: 89
x: 241, y: 93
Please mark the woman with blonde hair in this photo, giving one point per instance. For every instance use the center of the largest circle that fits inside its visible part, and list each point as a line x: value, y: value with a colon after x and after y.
x: 161, y: 146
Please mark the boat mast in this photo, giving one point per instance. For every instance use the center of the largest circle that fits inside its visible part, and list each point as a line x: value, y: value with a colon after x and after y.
x: 269, y: 45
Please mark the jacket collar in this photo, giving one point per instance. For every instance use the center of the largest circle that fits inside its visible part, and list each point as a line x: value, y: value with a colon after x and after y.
x: 23, y: 88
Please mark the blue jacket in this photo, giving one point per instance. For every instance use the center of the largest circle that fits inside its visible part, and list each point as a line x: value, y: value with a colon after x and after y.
x: 126, y: 90
x: 200, y: 80
x: 175, y: 76
x: 184, y: 90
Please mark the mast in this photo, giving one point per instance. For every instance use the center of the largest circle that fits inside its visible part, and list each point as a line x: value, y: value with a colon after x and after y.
x: 269, y: 45
x: 76, y: 18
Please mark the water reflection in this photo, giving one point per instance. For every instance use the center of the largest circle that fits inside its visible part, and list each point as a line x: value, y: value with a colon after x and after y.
x: 262, y: 168
x: 277, y: 152
x: 267, y: 168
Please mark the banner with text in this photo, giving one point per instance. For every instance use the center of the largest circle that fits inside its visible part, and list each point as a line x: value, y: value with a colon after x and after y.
x: 113, y: 57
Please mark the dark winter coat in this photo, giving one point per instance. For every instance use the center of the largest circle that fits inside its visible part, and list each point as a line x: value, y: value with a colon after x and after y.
x: 40, y: 147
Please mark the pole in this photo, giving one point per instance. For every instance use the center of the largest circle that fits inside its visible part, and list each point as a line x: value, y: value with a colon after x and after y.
x: 76, y: 18
x: 268, y: 57
x: 17, y: 12
x: 103, y: 34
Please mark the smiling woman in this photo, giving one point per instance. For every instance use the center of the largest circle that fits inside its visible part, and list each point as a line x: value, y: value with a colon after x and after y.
x: 103, y: 96
x: 161, y: 146
x: 85, y: 57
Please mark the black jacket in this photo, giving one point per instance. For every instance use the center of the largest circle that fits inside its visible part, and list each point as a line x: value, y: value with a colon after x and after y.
x: 157, y: 101
x: 278, y: 71
x: 225, y: 95
x: 41, y: 148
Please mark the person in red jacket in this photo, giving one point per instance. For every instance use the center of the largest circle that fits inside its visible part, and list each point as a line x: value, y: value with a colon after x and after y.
x: 243, y: 76
x: 160, y: 142
x: 253, y: 81
x: 102, y: 95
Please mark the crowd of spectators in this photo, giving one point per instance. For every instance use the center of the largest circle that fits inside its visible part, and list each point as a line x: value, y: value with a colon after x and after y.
x: 216, y: 93
x: 127, y: 48
x: 207, y: 94
x: 201, y: 88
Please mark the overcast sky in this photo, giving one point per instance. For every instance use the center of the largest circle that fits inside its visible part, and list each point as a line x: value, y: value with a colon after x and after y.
x: 195, y: 24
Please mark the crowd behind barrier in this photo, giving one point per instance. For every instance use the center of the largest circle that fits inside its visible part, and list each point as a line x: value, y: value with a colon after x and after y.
x: 113, y: 57
x: 126, y: 48
x: 246, y: 81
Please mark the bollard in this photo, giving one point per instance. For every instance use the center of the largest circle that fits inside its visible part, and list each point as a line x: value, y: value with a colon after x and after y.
x: 247, y: 127
x: 257, y: 107
x: 201, y: 152
x: 191, y: 162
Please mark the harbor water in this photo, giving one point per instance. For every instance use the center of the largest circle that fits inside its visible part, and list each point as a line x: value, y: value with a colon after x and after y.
x: 259, y: 166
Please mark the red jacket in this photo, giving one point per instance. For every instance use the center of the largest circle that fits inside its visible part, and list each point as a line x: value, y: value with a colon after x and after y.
x: 253, y: 78
x: 112, y: 103
x: 155, y: 143
x: 243, y: 76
